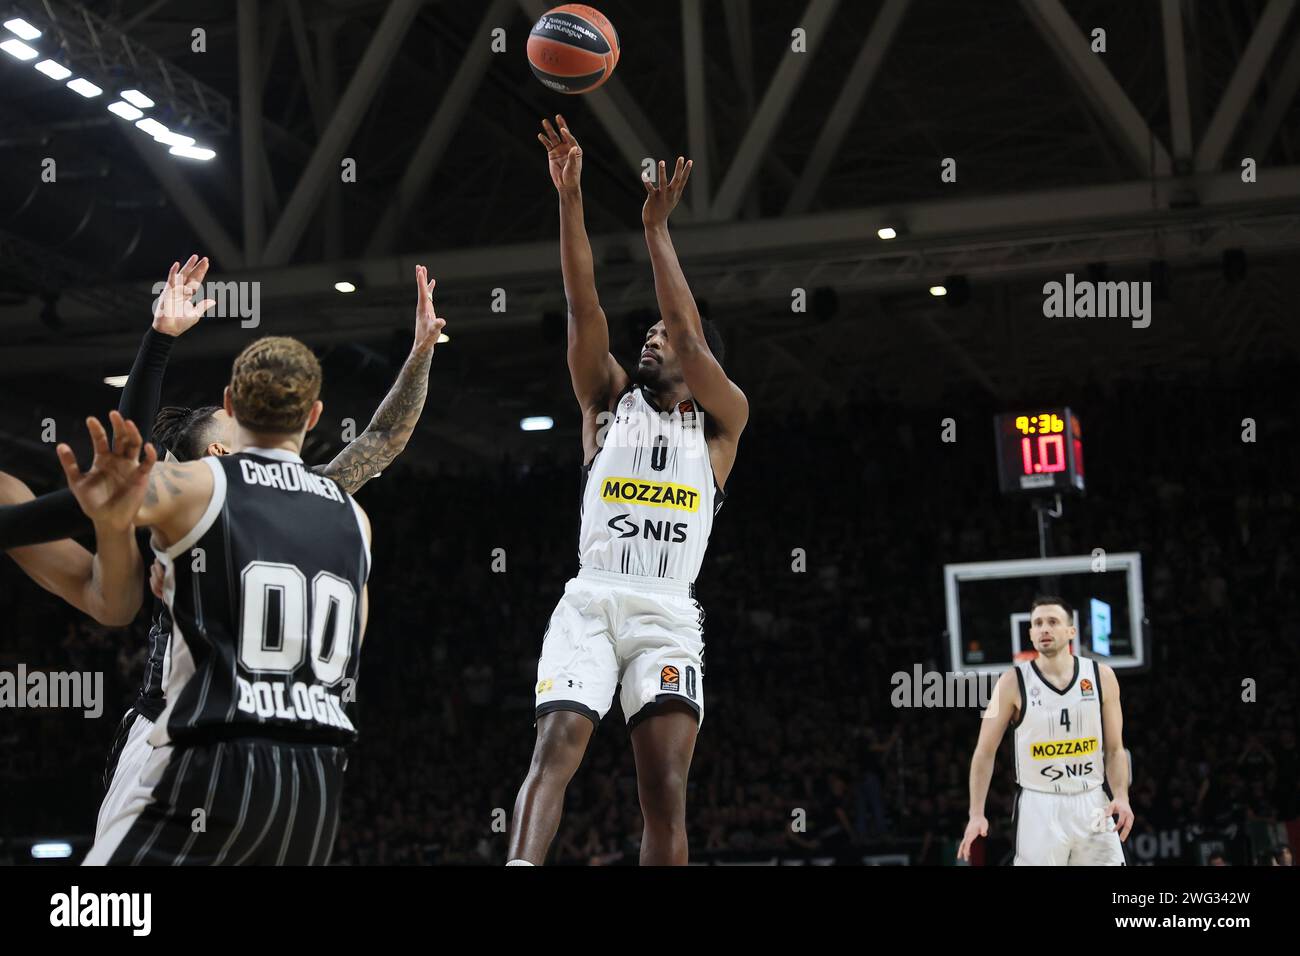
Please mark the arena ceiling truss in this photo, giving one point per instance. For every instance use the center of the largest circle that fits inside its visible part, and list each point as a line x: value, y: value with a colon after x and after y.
x: 1065, y: 157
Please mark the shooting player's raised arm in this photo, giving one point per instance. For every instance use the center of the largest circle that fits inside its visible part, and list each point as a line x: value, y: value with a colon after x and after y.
x: 596, y: 376
x: 705, y: 378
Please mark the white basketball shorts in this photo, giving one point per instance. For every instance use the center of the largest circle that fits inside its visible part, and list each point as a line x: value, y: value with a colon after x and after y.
x: 1065, y: 829
x: 610, y: 629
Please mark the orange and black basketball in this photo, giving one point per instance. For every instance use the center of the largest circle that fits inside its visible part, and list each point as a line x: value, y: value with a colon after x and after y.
x: 573, y: 48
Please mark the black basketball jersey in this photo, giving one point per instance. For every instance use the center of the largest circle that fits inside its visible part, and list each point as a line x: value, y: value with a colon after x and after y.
x: 264, y: 595
x: 150, y: 701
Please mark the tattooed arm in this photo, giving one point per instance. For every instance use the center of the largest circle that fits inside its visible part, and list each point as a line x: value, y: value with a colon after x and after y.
x: 394, y: 422
x: 388, y: 432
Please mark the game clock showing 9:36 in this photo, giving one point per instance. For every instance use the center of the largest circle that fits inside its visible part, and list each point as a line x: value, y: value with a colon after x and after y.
x: 1039, y: 451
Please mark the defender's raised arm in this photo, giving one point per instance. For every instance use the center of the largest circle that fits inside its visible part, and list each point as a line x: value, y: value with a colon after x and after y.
x: 394, y: 421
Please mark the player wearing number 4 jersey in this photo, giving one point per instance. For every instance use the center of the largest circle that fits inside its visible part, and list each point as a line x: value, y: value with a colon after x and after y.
x: 1070, y: 762
x: 265, y: 568
x: 657, y: 448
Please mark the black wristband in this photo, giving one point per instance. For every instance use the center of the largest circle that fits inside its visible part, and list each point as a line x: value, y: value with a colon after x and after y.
x: 141, y: 395
x: 47, y: 518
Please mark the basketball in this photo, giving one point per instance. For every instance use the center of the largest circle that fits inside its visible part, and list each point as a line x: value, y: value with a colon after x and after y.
x: 573, y: 48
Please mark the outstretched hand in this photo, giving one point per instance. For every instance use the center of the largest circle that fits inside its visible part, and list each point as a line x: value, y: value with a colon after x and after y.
x: 427, y: 324
x: 563, y: 154
x: 111, y: 492
x: 662, y: 197
x: 175, y: 311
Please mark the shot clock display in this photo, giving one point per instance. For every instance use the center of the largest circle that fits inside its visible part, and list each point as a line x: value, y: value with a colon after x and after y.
x: 1039, y: 451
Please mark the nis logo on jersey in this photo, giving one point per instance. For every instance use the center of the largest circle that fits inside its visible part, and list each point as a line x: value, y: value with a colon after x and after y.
x: 625, y: 526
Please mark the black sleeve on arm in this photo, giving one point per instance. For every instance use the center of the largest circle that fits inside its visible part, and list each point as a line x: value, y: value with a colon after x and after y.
x: 47, y: 518
x: 143, y: 389
x: 57, y: 515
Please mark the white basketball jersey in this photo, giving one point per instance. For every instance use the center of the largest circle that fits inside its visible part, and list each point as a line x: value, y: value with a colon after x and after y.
x: 1058, y: 742
x: 649, y: 498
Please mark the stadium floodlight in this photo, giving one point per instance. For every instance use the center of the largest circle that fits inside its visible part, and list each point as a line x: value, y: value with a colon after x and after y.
x: 51, y: 851
x: 22, y: 28
x: 19, y: 50
x: 537, y: 423
x: 53, y: 69
x: 84, y: 87
x: 170, y: 138
x: 193, y: 152
x: 152, y: 127
x: 117, y: 381
x: 124, y: 110
x: 136, y: 98
x: 82, y: 38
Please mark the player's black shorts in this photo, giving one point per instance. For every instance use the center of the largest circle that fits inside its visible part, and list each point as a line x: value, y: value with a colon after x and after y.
x: 244, y: 801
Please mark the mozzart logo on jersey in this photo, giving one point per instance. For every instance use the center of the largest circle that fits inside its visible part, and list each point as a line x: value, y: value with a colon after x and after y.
x: 656, y: 494
x: 82, y: 691
x: 75, y: 908
x: 1053, y: 749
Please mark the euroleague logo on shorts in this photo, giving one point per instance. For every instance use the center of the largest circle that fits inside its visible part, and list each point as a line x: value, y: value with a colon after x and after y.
x: 669, y: 678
